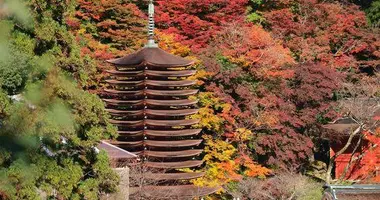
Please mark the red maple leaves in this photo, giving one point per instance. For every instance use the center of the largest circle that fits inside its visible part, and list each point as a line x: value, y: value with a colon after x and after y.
x: 195, y: 22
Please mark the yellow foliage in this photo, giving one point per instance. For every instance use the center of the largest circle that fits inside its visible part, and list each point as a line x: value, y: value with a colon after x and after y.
x: 211, y: 120
x: 218, y: 150
x: 81, y: 31
x: 243, y: 134
x: 208, y: 119
x: 168, y: 43
x: 201, y: 74
x: 207, y: 99
x: 220, y: 165
x: 241, y: 61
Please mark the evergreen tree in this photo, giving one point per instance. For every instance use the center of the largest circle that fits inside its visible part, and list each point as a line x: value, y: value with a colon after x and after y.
x: 50, y: 126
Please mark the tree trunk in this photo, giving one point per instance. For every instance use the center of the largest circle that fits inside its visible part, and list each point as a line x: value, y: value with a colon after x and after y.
x: 351, y: 159
x: 332, y: 160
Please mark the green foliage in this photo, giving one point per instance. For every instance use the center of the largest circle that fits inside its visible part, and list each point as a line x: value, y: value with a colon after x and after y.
x: 254, y: 15
x: 225, y: 64
x: 20, y: 11
x: 48, y: 134
x: 255, y: 18
x: 373, y: 13
x: 4, y: 103
x: 14, y: 68
x: 63, y: 176
x: 22, y: 175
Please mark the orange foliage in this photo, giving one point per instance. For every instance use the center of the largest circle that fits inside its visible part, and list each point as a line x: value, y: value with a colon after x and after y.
x: 366, y: 163
x: 253, y: 48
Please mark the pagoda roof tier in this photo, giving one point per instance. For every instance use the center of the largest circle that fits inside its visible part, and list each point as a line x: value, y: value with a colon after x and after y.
x: 131, y: 133
x: 124, y: 102
x: 127, y: 143
x: 177, y: 73
x: 125, y: 93
x: 173, y: 154
x: 120, y: 73
x: 127, y: 123
x: 172, y: 113
x: 174, y: 192
x: 162, y: 93
x: 152, y: 57
x: 170, y: 123
x: 165, y: 93
x: 171, y: 176
x: 177, y: 143
x: 172, y: 133
x: 152, y: 73
x: 174, y: 165
x: 185, y: 122
x: 184, y: 83
x: 129, y: 113
x: 127, y: 83
x: 182, y: 102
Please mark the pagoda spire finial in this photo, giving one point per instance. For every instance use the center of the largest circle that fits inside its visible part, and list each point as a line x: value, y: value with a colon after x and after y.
x: 151, y: 43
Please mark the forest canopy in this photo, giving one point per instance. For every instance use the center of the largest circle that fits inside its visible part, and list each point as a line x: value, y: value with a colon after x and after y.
x: 271, y: 74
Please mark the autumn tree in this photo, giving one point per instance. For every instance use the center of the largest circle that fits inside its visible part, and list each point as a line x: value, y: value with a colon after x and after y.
x: 195, y: 22
x: 121, y: 26
x: 360, y: 105
x: 50, y: 126
x: 267, y: 94
x: 333, y: 33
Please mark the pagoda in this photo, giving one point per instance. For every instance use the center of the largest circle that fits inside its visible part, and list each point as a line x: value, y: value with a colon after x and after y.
x: 149, y: 99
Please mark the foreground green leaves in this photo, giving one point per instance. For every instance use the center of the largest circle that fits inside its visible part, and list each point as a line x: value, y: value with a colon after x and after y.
x: 49, y: 124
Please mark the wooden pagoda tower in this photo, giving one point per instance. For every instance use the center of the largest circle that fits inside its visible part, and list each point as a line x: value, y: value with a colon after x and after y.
x: 148, y: 99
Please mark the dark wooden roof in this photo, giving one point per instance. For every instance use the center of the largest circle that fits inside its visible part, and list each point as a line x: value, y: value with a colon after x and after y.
x: 178, y: 143
x: 123, y: 102
x: 130, y: 133
x: 168, y: 123
x: 352, y: 192
x: 115, y: 152
x: 150, y: 106
x: 127, y: 123
x: 185, y: 122
x: 173, y: 133
x: 125, y: 93
x: 173, y: 154
x: 173, y: 192
x: 129, y: 143
x: 173, y: 176
x: 171, y: 92
x: 162, y: 133
x: 115, y: 112
x: 183, y: 83
x: 153, y: 92
x: 172, y: 113
x: 152, y: 56
x: 342, y: 128
x: 126, y: 73
x: 182, y: 73
x: 174, y: 165
x: 125, y: 83
x: 183, y: 102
